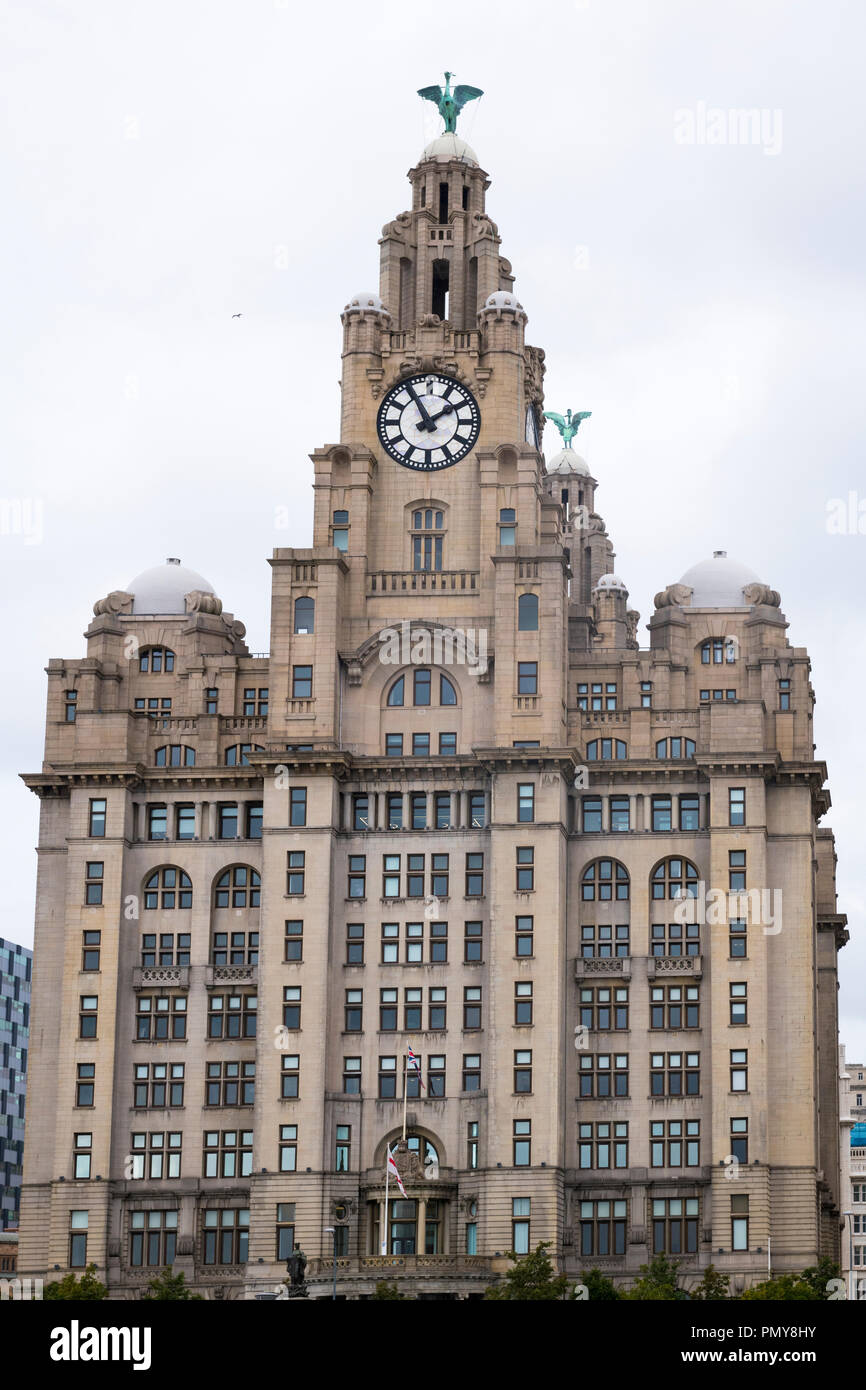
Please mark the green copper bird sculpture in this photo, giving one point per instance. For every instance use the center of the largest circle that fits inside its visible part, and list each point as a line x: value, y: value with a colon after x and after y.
x: 449, y: 104
x: 567, y: 424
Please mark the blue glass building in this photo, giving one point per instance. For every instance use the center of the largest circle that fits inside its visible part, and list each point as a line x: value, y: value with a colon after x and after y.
x: 16, y: 964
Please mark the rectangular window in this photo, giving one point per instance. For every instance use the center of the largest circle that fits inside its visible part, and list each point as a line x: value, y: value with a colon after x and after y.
x: 619, y: 813
x: 740, y: 1139
x: 357, y: 881
x: 520, y: 1225
x: 292, y: 1006
x: 646, y: 694
x: 285, y: 1230
x: 689, y: 813
x: 675, y: 1226
x: 447, y: 745
x: 302, y: 682
x: 82, y: 1156
x: 354, y: 943
x: 523, y: 936
x: 521, y: 1143
x: 474, y: 882
x: 736, y: 806
x: 418, y: 810
x: 227, y: 813
x: 675, y: 1143
x: 436, y: 1078
x: 97, y: 818
x: 290, y: 1075
x: 90, y: 950
x: 438, y: 946
x: 156, y: 1155
x: 294, y: 940
x: 784, y: 694
x: 439, y: 875
x: 477, y: 810
x: 736, y: 870
x: 298, y: 806
x: 93, y: 875
x: 603, y: 1009
x: 387, y: 1078
x: 603, y: 942
x: 387, y: 1010
x: 675, y: 939
x: 527, y: 677
x: 522, y: 1001
x: 225, y: 1236
x: 394, y: 745
x: 184, y: 824
x: 525, y: 869
x: 87, y: 1015
x: 591, y: 811
x: 343, y: 1149
x: 602, y: 1228
x: 352, y: 1076
x: 84, y: 1084
x: 675, y: 1006
x: 526, y: 801
x: 232, y: 1015
x: 739, y: 1070
x: 522, y: 1072
x: 414, y: 943
x: 739, y: 1004
x: 661, y: 813
x: 227, y: 1153
x: 603, y: 1075
x: 737, y: 938
x: 160, y: 1017
x: 739, y: 1222
x: 288, y: 1147
x: 507, y: 526
x: 471, y: 1078
x: 421, y: 745
x: 471, y: 1132
x: 78, y: 1239
x: 211, y: 700
x: 472, y: 942
x: 471, y: 1007
x: 437, y: 1009
x: 157, y: 822
x: 295, y: 872
x: 675, y: 1074
x: 70, y: 703
x: 603, y: 1145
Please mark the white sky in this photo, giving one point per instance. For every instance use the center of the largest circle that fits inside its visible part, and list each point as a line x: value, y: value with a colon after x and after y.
x: 166, y: 165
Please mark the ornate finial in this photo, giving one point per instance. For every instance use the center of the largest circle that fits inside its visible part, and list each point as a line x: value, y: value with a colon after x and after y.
x: 567, y: 424
x: 449, y: 104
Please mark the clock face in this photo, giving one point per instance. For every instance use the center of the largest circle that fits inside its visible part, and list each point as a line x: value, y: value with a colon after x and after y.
x: 532, y: 428
x: 428, y: 422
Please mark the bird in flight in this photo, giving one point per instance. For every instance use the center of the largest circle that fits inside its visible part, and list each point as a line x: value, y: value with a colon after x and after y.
x: 235, y: 316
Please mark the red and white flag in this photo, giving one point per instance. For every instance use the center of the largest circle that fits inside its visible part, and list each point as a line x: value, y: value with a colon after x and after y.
x: 394, y: 1172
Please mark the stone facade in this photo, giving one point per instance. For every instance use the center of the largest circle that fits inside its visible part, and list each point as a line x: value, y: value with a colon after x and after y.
x: 852, y: 1153
x: 484, y: 864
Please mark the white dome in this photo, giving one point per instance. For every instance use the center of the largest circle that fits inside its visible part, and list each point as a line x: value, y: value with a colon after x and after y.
x: 504, y: 299
x: 164, y: 588
x: 450, y: 146
x: 611, y: 581
x: 719, y: 582
x: 567, y: 461
x: 366, y: 301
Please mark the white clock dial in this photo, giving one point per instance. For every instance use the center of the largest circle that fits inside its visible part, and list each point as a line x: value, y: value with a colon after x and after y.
x: 428, y: 422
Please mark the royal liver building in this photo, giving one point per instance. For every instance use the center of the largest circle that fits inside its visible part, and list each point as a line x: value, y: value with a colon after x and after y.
x: 459, y: 869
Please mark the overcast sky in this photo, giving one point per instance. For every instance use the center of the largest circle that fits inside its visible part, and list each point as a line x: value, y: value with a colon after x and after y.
x: 167, y: 163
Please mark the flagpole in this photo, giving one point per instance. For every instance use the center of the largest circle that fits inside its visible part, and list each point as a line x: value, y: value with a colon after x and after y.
x: 384, y: 1241
x: 405, y: 1089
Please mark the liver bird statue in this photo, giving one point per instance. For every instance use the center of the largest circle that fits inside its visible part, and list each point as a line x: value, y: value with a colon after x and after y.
x: 567, y: 424
x: 449, y: 104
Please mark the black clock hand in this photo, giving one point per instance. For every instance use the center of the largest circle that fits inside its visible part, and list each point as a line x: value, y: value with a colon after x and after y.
x: 446, y: 410
x: 424, y: 423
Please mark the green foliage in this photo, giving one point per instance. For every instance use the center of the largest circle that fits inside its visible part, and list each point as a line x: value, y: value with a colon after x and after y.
x: 713, y: 1287
x: 87, y: 1289
x: 657, y: 1282
x: 785, y: 1288
x: 599, y: 1287
x: 386, y: 1290
x: 531, y: 1277
x: 819, y: 1276
x: 167, y: 1285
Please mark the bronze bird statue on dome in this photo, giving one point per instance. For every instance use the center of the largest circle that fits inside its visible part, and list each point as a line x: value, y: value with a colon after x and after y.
x: 449, y: 104
x: 567, y: 424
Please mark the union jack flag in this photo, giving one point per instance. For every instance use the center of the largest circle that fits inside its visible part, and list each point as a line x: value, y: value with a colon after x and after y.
x: 415, y: 1064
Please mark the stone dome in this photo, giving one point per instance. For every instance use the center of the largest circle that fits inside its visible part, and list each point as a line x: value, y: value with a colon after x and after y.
x: 504, y: 299
x: 719, y: 582
x: 611, y: 582
x: 567, y: 461
x: 163, y: 589
x: 450, y: 146
x: 365, y: 302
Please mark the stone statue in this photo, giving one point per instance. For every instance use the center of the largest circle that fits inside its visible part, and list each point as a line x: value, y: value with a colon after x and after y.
x: 295, y: 1266
x: 567, y: 424
x: 449, y: 104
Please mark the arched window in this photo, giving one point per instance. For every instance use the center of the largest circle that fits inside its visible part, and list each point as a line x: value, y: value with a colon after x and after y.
x: 168, y: 887
x: 527, y: 613
x: 397, y: 692
x: 239, y: 886
x: 675, y: 748
x: 603, y: 881
x: 427, y: 534
x: 155, y: 660
x: 674, y: 878
x: 606, y: 750
x: 305, y: 615
x: 447, y: 693
x: 236, y: 755
x: 175, y: 755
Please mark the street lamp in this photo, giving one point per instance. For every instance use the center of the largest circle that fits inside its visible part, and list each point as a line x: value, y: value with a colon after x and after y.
x: 332, y: 1231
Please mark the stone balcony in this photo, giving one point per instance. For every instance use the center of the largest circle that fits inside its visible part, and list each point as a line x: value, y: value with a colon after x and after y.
x: 672, y: 967
x: 220, y: 976
x: 382, y: 1266
x: 422, y: 581
x: 160, y: 977
x: 617, y: 968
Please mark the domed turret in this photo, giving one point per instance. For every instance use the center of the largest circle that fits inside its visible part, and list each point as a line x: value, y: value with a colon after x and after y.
x: 719, y: 582
x: 566, y: 462
x: 366, y: 302
x: 163, y: 589
x: 450, y: 146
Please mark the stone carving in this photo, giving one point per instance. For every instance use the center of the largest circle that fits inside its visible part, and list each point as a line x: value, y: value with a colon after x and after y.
x: 632, y: 619
x: 483, y: 226
x: 237, y: 629
x: 568, y: 424
x: 200, y: 601
x: 409, y: 1165
x: 296, y: 1264
x: 449, y: 104
x: 394, y: 230
x: 115, y: 602
x: 674, y: 596
x: 762, y: 593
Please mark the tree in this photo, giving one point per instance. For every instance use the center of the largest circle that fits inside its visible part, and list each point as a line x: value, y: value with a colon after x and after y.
x: 386, y: 1290
x: 783, y: 1288
x: 167, y: 1285
x: 657, y: 1282
x: 599, y: 1288
x: 87, y: 1289
x: 713, y: 1287
x: 532, y: 1277
x: 819, y: 1276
